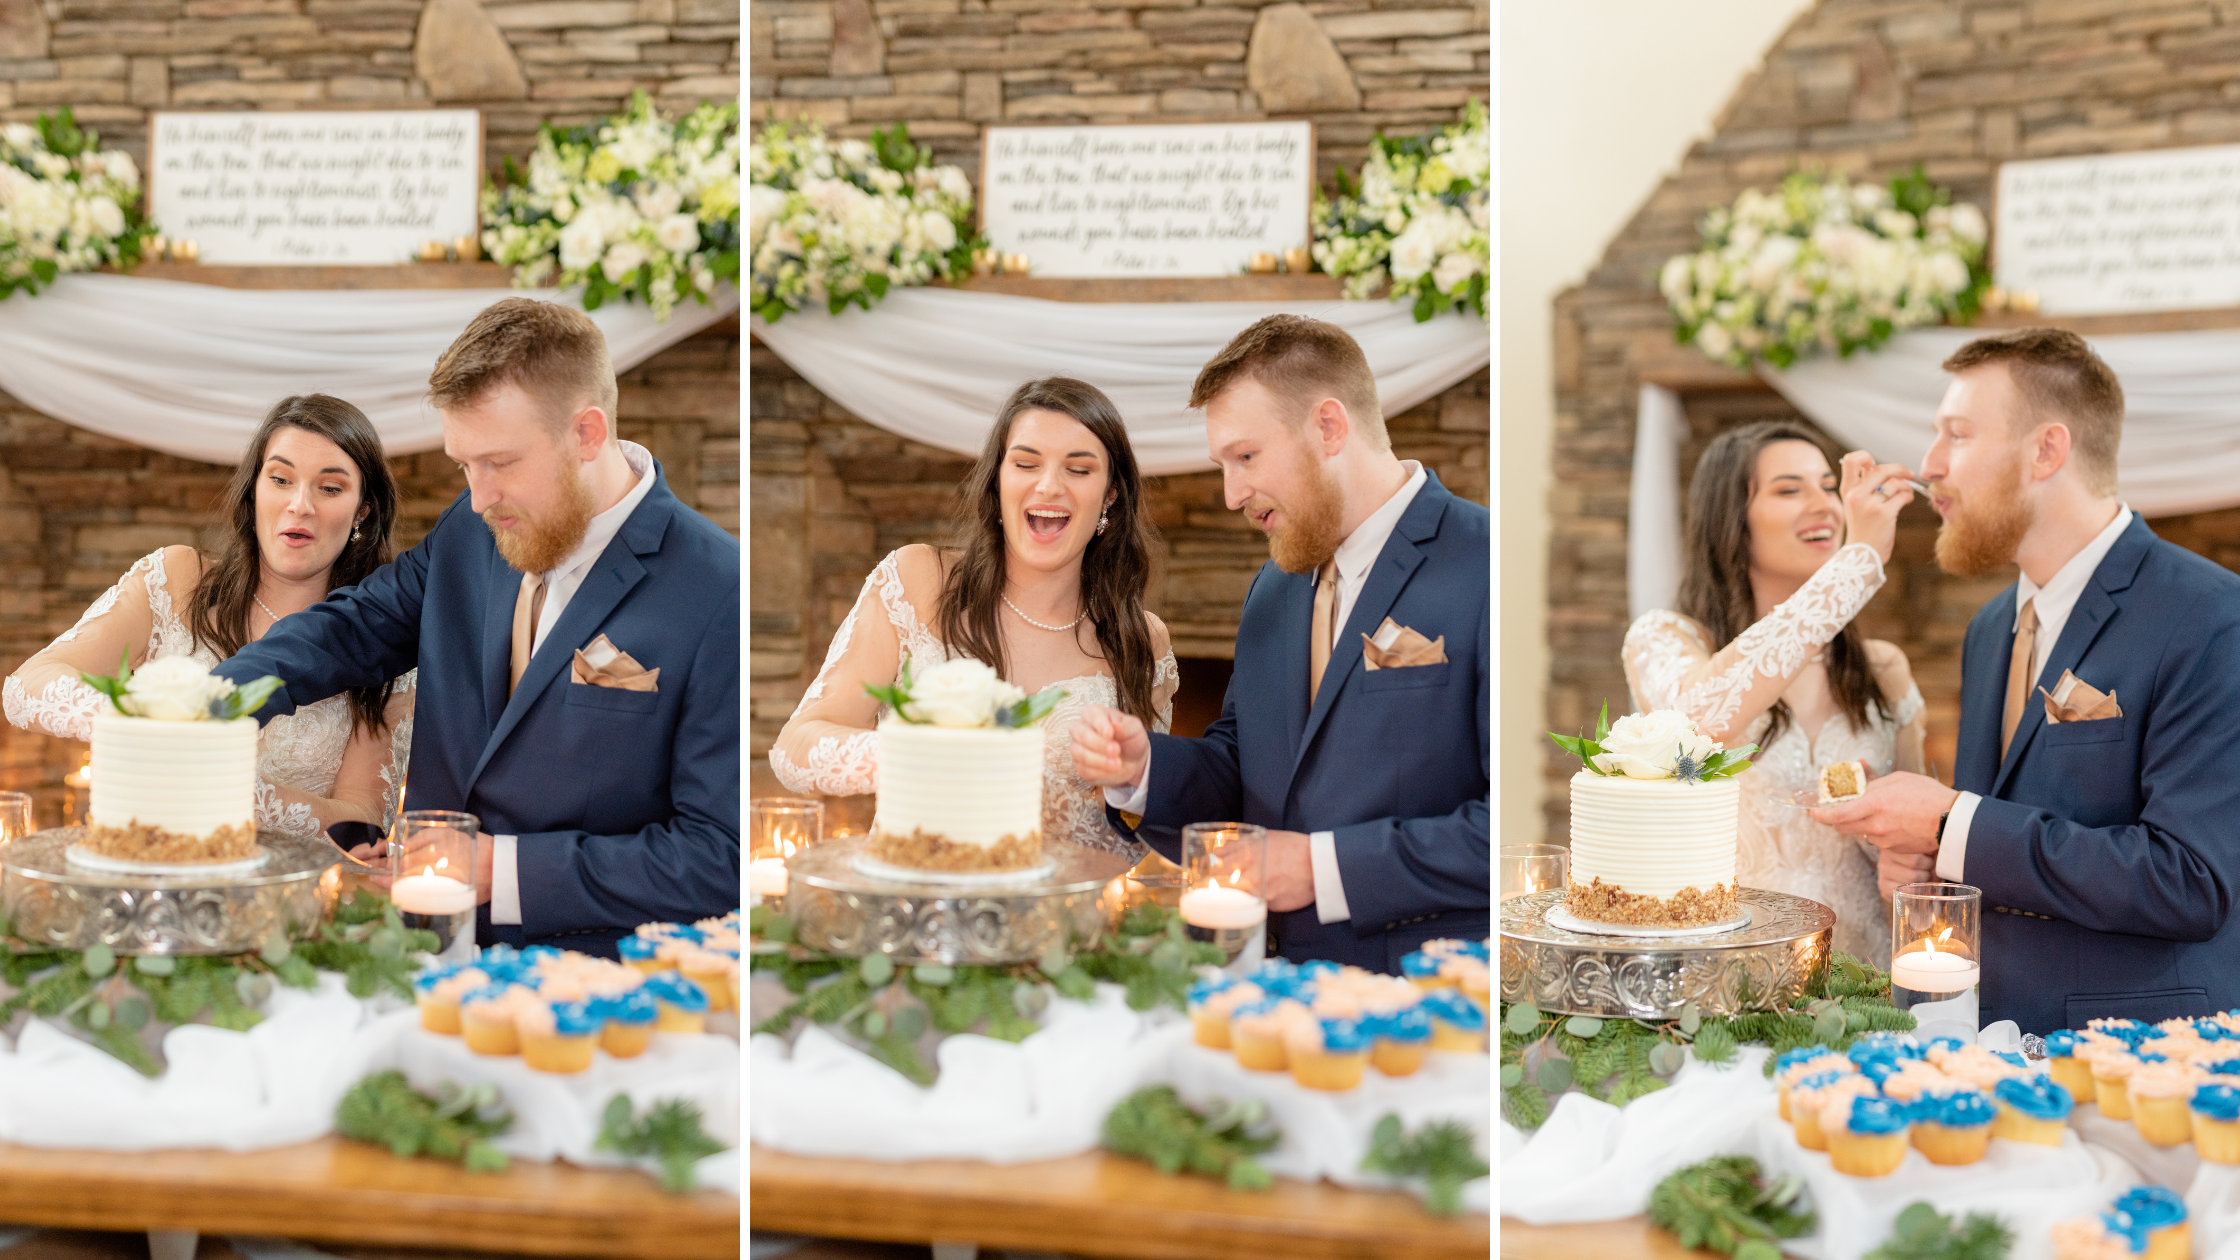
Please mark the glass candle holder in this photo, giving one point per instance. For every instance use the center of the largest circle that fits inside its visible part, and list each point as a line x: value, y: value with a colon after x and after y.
x: 777, y: 828
x: 16, y: 819
x: 1936, y: 968
x: 432, y: 870
x: 1223, y: 899
x: 1531, y: 868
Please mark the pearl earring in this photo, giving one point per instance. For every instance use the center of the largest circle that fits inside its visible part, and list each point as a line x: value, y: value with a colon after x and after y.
x: 356, y: 534
x: 1104, y: 518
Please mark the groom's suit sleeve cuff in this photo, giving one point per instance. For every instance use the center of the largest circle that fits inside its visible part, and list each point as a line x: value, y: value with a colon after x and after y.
x: 505, y: 880
x: 1130, y: 801
x: 1329, y: 886
x: 1952, y: 851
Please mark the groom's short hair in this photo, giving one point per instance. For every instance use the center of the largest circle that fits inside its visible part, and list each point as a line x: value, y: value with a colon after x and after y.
x: 1303, y: 360
x: 2061, y: 381
x: 553, y: 352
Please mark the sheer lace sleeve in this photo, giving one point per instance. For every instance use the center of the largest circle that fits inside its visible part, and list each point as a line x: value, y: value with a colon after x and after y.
x: 829, y: 746
x: 1166, y: 677
x: 1901, y: 699
x: 45, y: 694
x: 1670, y: 666
x: 365, y: 783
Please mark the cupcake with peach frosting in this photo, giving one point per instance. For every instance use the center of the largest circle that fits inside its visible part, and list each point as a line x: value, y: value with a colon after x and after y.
x: 2159, y: 1094
x: 1816, y: 1094
x: 439, y: 999
x: 1806, y: 1064
x: 2111, y: 1070
x: 489, y: 1018
x: 1911, y: 1080
x: 1257, y: 1033
x: 2085, y: 1238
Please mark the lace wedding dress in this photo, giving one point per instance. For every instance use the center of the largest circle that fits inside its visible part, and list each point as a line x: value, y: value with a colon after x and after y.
x: 300, y: 757
x: 1780, y: 847
x: 829, y: 748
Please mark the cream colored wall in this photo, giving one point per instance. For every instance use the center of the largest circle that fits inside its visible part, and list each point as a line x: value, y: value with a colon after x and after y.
x: 1599, y: 99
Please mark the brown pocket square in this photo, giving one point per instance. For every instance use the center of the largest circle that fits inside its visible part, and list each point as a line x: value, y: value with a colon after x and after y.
x: 2071, y: 700
x: 601, y: 664
x: 1395, y: 646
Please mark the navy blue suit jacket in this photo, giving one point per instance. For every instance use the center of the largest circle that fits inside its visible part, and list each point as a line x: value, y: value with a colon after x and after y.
x: 1394, y: 762
x: 626, y: 802
x: 2101, y: 847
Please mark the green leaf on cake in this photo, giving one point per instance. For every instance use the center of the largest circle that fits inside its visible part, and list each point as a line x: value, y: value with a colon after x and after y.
x: 1586, y: 749
x: 245, y: 699
x: 896, y: 696
x: 1032, y: 709
x: 112, y: 686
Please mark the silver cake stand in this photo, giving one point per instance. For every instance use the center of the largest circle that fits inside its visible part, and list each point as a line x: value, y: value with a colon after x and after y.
x: 1771, y: 959
x: 51, y: 904
x: 839, y: 910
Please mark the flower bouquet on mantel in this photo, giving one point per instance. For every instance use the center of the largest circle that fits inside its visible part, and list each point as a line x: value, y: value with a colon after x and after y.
x: 1823, y: 264
x: 65, y: 204
x: 635, y: 209
x: 1417, y: 218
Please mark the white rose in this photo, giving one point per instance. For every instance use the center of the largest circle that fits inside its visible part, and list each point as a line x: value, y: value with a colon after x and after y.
x: 1413, y: 252
x: 1968, y: 224
x: 1948, y: 273
x: 580, y: 243
x: 1453, y: 272
x: 764, y: 203
x: 19, y: 135
x: 120, y: 168
x: 960, y: 693
x: 1642, y: 745
x: 51, y: 166
x: 624, y: 258
x: 108, y: 220
x: 955, y: 184
x: 174, y: 689
x: 660, y: 201
x: 1715, y: 340
x: 940, y: 232
x: 678, y: 234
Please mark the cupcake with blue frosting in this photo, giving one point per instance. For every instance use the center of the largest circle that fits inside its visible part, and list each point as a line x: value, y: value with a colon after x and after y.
x: 1403, y: 1036
x: 1458, y: 1024
x: 1953, y: 1126
x: 1328, y: 1053
x: 2154, y: 1219
x: 1792, y: 1066
x: 629, y: 1020
x: 2062, y: 1063
x: 2216, y: 1122
x: 680, y: 1006
x: 1867, y: 1135
x: 2031, y: 1109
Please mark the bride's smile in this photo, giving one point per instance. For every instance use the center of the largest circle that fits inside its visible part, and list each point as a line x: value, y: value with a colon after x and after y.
x: 1053, y: 486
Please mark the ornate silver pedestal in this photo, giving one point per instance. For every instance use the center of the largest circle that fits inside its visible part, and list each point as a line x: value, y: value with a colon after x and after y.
x: 839, y: 910
x: 1630, y: 977
x: 50, y: 903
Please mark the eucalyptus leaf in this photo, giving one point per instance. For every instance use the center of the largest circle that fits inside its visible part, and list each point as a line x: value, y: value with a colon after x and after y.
x: 100, y: 960
x: 1584, y: 1027
x: 1512, y: 1075
x: 155, y: 965
x: 1691, y: 1019
x: 97, y: 1017
x: 132, y: 1014
x: 933, y: 975
x: 1522, y: 1019
x: 909, y: 1023
x: 875, y: 1025
x: 1555, y: 1074
x: 876, y: 969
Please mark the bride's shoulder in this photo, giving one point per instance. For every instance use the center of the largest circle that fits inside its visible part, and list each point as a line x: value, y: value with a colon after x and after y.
x: 1892, y: 672
x: 917, y: 569
x: 1162, y: 642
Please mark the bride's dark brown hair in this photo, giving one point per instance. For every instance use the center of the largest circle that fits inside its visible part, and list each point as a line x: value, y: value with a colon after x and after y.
x: 218, y: 611
x: 1114, y: 570
x: 1715, y: 570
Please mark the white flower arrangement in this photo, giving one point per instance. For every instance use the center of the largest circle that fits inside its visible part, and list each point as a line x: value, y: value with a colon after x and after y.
x: 1826, y: 265
x: 636, y: 208
x: 963, y: 694
x: 179, y: 689
x: 65, y: 204
x: 1418, y: 218
x: 839, y: 224
x: 1664, y: 744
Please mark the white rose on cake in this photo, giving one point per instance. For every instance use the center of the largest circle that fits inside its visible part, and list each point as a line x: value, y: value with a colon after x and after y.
x: 960, y: 693
x: 1645, y: 745
x: 174, y: 689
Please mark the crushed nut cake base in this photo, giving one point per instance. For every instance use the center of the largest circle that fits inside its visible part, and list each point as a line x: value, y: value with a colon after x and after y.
x: 138, y: 842
x: 1690, y: 907
x: 921, y: 851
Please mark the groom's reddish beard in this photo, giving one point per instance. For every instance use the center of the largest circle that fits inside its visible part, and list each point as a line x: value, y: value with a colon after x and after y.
x: 1309, y: 531
x: 1983, y: 531
x: 538, y: 544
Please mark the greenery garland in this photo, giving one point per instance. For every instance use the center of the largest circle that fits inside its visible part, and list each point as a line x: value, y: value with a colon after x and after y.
x: 669, y: 1133
x: 1923, y: 1234
x: 886, y: 1008
x: 453, y: 1123
x: 1619, y: 1060
x: 1726, y: 1205
x: 1156, y: 1126
x: 1442, y: 1153
x: 111, y: 1002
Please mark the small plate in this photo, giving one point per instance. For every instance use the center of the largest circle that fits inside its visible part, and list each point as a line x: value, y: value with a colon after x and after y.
x: 1560, y: 917
x: 83, y: 860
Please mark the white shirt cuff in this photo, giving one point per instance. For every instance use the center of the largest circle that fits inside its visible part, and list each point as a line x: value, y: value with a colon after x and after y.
x: 505, y: 880
x: 1329, y: 886
x: 1132, y: 800
x: 1952, y: 853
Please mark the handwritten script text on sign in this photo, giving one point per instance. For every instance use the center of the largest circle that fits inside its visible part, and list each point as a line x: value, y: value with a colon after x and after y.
x: 2154, y: 231
x: 1185, y: 200
x: 344, y: 187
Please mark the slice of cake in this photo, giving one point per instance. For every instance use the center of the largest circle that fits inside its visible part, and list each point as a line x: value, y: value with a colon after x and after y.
x: 174, y: 767
x: 1653, y: 821
x: 1842, y: 781
x: 960, y: 773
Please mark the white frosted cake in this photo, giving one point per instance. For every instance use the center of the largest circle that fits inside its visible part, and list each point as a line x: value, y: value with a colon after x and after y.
x: 1653, y: 819
x: 958, y: 798
x: 175, y: 778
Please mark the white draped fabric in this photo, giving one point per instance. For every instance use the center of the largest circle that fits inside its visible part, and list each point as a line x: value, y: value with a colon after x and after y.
x: 191, y: 369
x: 936, y: 364
x: 2181, y: 431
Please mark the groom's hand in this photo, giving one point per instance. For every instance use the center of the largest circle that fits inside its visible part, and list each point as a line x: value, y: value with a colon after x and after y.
x: 1289, y: 883
x: 1110, y: 748
x: 1898, y: 869
x: 1898, y: 812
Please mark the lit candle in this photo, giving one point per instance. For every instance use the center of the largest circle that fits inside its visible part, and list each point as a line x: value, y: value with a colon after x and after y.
x: 1216, y: 907
x: 1931, y: 970
x: 430, y: 893
x: 769, y: 877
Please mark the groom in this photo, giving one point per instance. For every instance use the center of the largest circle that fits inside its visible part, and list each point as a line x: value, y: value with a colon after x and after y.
x: 2097, y: 700
x: 1357, y: 724
x: 576, y: 629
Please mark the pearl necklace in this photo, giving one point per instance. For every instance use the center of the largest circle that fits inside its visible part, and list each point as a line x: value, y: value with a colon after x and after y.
x: 267, y: 612
x: 1040, y: 625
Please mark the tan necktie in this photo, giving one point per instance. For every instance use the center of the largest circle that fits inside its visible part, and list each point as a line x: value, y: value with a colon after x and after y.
x: 2018, y: 672
x: 526, y: 606
x: 1325, y: 608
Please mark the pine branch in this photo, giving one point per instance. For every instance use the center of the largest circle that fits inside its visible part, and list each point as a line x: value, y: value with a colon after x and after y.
x: 1725, y: 1205
x: 1922, y: 1233
x: 453, y: 1124
x: 669, y: 1133
x: 1442, y: 1153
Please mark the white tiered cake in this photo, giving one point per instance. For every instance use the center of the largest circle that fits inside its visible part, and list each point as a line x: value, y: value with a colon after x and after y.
x: 1653, y: 820
x: 173, y: 784
x: 960, y: 775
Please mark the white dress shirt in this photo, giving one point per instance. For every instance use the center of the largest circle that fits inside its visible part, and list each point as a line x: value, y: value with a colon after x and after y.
x: 1357, y: 555
x: 2053, y: 603
x: 561, y: 583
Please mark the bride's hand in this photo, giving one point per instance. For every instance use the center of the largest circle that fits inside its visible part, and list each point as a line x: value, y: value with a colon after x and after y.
x: 1873, y: 495
x: 1110, y: 748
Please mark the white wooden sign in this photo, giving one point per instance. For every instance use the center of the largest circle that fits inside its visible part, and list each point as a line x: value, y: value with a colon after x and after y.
x: 2153, y: 231
x: 342, y: 187
x: 1180, y: 200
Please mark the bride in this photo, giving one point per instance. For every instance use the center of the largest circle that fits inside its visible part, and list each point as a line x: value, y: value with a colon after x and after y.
x: 1762, y: 650
x: 311, y: 506
x: 1044, y: 582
